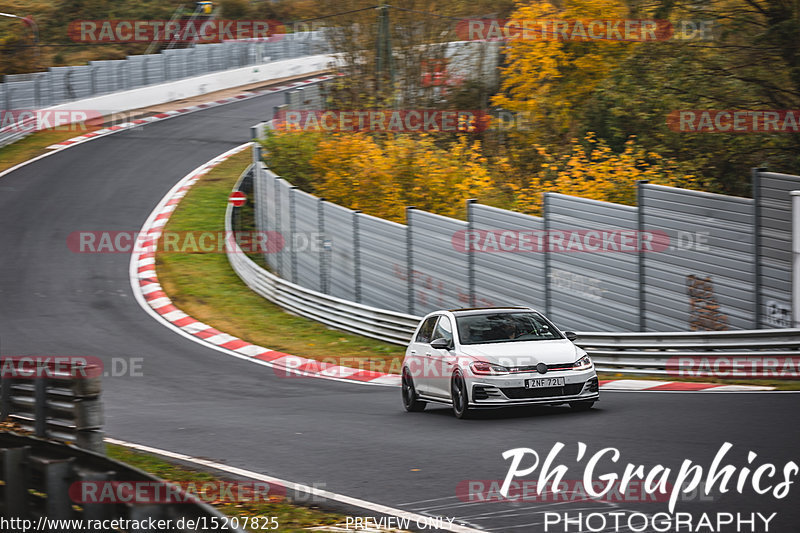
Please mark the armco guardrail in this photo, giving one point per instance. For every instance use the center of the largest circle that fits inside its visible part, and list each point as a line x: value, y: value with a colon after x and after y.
x: 342, y: 314
x: 56, y: 398
x: 632, y: 353
x: 58, y: 86
x: 726, y: 352
x: 37, y: 476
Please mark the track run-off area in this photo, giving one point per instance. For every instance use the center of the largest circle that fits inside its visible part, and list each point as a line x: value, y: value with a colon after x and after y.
x: 342, y: 438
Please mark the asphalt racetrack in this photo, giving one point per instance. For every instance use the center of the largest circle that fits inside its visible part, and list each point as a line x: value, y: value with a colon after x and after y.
x: 350, y: 439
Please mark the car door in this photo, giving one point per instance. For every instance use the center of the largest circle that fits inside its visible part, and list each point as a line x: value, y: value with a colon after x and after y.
x: 417, y: 359
x: 441, y: 362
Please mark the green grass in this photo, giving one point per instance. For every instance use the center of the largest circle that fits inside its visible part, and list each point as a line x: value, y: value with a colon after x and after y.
x: 204, y: 286
x: 294, y: 518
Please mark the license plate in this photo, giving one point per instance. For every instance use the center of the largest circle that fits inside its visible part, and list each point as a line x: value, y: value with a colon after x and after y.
x: 538, y: 383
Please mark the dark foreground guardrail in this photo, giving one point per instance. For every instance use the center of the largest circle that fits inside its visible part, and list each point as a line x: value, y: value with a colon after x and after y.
x: 38, y: 475
x: 54, y: 397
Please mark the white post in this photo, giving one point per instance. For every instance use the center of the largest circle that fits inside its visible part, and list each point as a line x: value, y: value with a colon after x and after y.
x: 795, y: 258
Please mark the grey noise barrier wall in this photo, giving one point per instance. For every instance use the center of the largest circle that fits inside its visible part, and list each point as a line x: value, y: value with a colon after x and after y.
x: 771, y: 193
x: 688, y: 260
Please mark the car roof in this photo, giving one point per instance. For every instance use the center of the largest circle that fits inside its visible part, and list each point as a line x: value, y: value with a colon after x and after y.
x: 480, y: 310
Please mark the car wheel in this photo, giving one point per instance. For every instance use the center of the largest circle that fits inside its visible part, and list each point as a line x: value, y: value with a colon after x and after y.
x: 410, y: 401
x: 458, y: 393
x: 582, y: 406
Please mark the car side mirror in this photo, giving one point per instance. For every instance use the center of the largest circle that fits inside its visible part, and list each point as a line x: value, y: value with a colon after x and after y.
x: 571, y: 335
x: 440, y: 344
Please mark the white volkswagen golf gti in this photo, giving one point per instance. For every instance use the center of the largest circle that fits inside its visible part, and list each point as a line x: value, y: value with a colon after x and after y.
x: 495, y: 357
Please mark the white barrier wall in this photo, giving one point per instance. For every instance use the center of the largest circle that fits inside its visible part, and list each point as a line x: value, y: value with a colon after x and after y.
x: 190, y: 87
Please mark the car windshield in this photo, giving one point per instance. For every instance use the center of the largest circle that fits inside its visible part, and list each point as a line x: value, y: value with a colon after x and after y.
x: 488, y: 328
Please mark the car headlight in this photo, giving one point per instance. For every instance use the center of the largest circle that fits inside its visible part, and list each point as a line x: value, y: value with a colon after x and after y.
x: 488, y: 369
x: 583, y: 363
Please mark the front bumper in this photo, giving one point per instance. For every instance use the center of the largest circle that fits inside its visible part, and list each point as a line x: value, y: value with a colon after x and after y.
x: 499, y: 391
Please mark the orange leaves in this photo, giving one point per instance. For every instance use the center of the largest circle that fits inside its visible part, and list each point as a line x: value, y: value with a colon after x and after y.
x: 381, y: 179
x: 592, y: 170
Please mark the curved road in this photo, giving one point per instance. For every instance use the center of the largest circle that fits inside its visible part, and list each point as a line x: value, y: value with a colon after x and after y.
x: 352, y: 439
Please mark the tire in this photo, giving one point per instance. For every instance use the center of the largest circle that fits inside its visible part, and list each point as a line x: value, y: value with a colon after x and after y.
x: 460, y: 397
x: 584, y: 405
x: 410, y: 401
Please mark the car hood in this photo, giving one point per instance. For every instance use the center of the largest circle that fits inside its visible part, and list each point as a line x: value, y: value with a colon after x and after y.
x: 524, y: 353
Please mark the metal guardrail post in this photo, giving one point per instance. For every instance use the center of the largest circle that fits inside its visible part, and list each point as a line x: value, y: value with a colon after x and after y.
x: 40, y: 405
x: 7, y: 96
x: 57, y: 475
x: 547, y: 281
x: 409, y: 260
x: 293, y: 231
x: 37, y: 91
x: 795, y: 258
x: 16, y: 476
x: 640, y: 254
x: 5, y: 397
x: 470, y: 254
x: 357, y: 255
x: 323, y: 249
x: 756, y: 186
x: 278, y: 228
x: 92, y: 79
x: 96, y: 511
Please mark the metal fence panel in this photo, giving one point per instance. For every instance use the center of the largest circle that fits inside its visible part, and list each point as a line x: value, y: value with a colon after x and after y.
x: 383, y: 263
x: 339, y: 258
x: 305, y: 240
x: 104, y: 73
x: 774, y: 211
x: 177, y: 63
x: 21, y: 94
x: 704, y: 278
x: 592, y: 290
x: 507, y: 278
x: 440, y: 276
x: 270, y: 209
x: 283, y: 193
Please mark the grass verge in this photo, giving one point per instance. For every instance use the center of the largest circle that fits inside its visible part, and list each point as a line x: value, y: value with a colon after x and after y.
x: 294, y: 518
x: 204, y: 286
x: 31, y: 146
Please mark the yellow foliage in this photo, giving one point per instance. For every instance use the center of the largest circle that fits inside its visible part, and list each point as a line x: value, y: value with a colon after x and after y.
x: 598, y: 173
x: 549, y: 80
x: 381, y: 179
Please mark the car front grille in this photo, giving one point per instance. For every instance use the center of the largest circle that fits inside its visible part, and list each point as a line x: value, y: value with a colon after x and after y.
x: 521, y: 393
x: 550, y: 368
